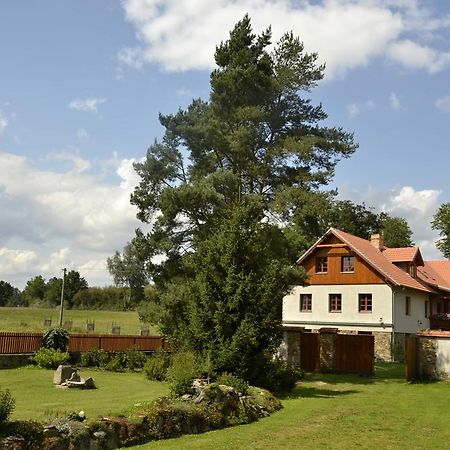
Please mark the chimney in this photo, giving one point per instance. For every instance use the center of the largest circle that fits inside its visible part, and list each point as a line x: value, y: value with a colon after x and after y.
x: 377, y: 241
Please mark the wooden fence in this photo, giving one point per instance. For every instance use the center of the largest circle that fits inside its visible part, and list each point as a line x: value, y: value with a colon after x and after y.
x: 16, y: 343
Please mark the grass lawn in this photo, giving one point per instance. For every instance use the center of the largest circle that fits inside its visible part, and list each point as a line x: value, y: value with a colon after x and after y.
x: 32, y: 320
x: 342, y: 412
x: 37, y: 398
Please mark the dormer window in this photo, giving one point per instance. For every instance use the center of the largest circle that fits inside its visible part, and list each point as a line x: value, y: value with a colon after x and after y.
x: 347, y: 263
x: 321, y: 264
x: 413, y: 270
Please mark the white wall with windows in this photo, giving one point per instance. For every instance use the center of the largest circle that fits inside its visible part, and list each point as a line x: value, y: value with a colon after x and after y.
x: 409, y: 319
x: 365, y: 307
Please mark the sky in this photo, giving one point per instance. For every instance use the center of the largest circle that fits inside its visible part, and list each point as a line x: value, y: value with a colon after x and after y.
x: 82, y: 83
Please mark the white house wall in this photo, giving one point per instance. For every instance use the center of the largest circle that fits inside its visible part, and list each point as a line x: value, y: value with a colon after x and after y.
x: 416, y: 320
x: 380, y: 319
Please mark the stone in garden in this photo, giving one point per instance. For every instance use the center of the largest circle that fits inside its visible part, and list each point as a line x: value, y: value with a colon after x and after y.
x: 75, y: 377
x: 62, y: 373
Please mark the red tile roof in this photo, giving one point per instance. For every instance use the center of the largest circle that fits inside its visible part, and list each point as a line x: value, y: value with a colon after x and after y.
x: 436, y: 273
x: 404, y: 254
x: 376, y: 259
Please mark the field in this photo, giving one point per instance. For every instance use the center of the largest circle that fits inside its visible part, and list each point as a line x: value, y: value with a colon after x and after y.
x: 37, y: 398
x: 32, y: 320
x: 342, y: 412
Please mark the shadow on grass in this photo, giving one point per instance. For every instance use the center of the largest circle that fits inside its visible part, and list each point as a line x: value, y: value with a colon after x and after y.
x: 315, y: 392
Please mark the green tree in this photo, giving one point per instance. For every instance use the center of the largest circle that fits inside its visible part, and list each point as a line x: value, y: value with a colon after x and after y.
x: 6, y: 292
x: 73, y: 284
x: 52, y: 295
x: 222, y: 191
x: 396, y: 232
x: 127, y: 269
x: 35, y: 289
x: 441, y: 223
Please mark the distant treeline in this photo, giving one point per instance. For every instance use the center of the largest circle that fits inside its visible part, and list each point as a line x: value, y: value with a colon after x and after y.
x: 39, y: 292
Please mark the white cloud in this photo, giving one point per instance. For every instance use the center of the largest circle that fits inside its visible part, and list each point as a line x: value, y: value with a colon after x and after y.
x: 443, y: 103
x: 67, y: 218
x: 88, y: 105
x: 3, y: 123
x: 181, y: 35
x: 13, y: 260
x: 416, y: 206
x: 394, y: 102
x: 416, y: 56
x: 355, y: 109
x: 82, y: 134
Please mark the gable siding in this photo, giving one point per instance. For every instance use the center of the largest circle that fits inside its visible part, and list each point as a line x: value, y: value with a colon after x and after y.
x: 363, y: 274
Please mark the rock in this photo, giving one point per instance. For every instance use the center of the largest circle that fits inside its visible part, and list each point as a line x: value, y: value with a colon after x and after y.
x: 75, y: 376
x: 89, y: 383
x: 63, y: 373
x: 51, y: 431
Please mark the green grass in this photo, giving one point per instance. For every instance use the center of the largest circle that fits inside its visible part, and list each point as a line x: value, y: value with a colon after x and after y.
x: 32, y: 320
x: 37, y: 398
x: 342, y: 412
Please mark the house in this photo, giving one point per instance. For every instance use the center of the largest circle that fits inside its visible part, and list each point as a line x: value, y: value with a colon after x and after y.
x: 361, y: 287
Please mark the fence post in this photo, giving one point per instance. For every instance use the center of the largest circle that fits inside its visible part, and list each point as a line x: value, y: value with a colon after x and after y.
x: 327, y: 349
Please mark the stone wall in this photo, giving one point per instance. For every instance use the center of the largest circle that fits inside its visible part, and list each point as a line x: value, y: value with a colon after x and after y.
x: 383, y: 346
x: 327, y: 350
x: 433, y: 355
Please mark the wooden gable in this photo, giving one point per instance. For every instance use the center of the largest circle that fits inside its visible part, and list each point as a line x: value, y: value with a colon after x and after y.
x: 334, y: 249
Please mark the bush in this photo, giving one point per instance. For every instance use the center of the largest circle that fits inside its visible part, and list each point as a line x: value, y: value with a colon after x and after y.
x: 156, y: 366
x: 238, y: 384
x: 117, y: 363
x: 30, y: 430
x: 56, y: 338
x: 279, y: 377
x: 7, y: 404
x: 182, y: 371
x: 94, y: 358
x: 48, y: 358
x: 134, y: 359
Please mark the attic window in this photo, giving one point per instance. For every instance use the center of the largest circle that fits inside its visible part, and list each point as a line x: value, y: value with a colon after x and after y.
x: 321, y: 264
x: 347, y: 263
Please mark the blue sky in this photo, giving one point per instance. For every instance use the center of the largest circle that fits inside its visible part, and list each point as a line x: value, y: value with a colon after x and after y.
x: 82, y: 83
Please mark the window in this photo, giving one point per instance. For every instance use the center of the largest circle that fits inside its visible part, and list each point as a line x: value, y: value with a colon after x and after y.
x: 335, y: 302
x: 321, y: 264
x: 408, y: 306
x: 427, y: 308
x: 305, y: 302
x: 413, y: 270
x: 347, y: 263
x: 365, y: 302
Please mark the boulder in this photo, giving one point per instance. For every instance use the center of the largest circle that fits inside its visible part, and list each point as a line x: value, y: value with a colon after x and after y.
x: 63, y: 373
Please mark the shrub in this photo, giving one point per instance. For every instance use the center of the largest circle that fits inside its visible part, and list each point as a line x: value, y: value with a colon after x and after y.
x: 182, y: 371
x: 30, y: 430
x: 48, y: 358
x: 156, y: 365
x: 134, y: 359
x: 7, y: 404
x: 279, y: 377
x: 94, y: 358
x: 117, y: 363
x: 238, y: 384
x: 56, y: 338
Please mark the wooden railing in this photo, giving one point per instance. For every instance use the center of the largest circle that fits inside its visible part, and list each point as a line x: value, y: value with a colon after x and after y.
x: 15, y: 343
